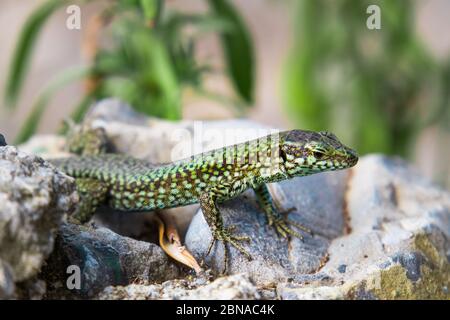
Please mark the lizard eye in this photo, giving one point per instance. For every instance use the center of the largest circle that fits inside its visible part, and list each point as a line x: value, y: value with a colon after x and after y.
x: 328, y: 134
x: 318, y: 155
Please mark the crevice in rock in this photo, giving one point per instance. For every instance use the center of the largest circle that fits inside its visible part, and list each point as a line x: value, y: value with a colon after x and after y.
x: 323, y: 262
x: 345, y: 211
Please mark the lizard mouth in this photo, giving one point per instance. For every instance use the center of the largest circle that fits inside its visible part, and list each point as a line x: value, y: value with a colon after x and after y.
x: 352, y: 157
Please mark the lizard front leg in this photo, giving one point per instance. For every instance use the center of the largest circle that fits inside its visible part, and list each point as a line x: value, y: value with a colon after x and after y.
x: 92, y: 193
x: 215, y: 222
x: 274, y: 217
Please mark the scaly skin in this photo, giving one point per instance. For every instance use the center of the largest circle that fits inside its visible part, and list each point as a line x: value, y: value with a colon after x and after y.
x: 129, y: 184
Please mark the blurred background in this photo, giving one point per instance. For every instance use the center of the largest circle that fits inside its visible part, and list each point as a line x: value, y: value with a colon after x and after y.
x: 288, y: 64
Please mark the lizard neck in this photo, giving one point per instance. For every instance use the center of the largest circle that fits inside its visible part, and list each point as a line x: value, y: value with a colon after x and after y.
x: 273, y: 170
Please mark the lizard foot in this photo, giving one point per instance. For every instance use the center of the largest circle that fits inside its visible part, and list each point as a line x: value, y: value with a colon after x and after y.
x: 226, y: 235
x: 281, y: 225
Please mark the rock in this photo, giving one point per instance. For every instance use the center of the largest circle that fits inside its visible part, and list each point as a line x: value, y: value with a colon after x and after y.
x: 7, y: 286
x: 278, y: 259
x: 34, y: 197
x: 226, y: 288
x: 46, y: 146
x: 104, y: 258
x: 399, y: 241
x: 2, y: 141
x: 32, y: 289
x: 380, y: 230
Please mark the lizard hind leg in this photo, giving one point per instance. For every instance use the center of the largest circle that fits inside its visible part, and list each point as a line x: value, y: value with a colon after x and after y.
x: 92, y: 194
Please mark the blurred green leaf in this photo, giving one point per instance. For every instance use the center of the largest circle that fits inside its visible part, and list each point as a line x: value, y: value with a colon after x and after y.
x: 181, y: 45
x: 238, y: 49
x: 149, y: 58
x: 122, y: 88
x: 151, y: 8
x: 127, y: 4
x: 175, y: 22
x: 22, y: 52
x: 82, y: 107
x: 31, y: 123
x: 372, y: 87
x: 139, y: 70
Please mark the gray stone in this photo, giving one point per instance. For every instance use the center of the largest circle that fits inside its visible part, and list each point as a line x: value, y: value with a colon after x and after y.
x: 31, y: 289
x: 276, y: 259
x: 7, y: 286
x: 398, y: 242
x: 104, y: 259
x: 2, y: 141
x: 383, y: 221
x: 225, y: 288
x: 342, y: 268
x: 288, y: 291
x: 411, y: 261
x: 34, y: 197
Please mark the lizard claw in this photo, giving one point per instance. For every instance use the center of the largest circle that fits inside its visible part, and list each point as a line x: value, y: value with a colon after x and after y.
x: 286, y: 221
x: 227, y: 237
x: 282, y: 227
x: 287, y: 211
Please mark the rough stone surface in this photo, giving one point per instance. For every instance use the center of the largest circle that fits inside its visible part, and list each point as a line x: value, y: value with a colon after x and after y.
x: 399, y: 241
x: 275, y: 258
x: 237, y: 286
x: 46, y: 146
x: 2, y: 141
x: 104, y: 258
x: 7, y: 286
x: 33, y: 200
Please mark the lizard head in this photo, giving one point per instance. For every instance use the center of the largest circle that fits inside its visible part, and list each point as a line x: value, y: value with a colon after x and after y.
x: 308, y: 152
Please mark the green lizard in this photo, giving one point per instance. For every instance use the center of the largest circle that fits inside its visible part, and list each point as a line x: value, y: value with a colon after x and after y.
x: 130, y: 184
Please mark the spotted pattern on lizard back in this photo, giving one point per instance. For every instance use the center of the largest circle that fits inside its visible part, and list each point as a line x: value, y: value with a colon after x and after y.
x: 130, y: 184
